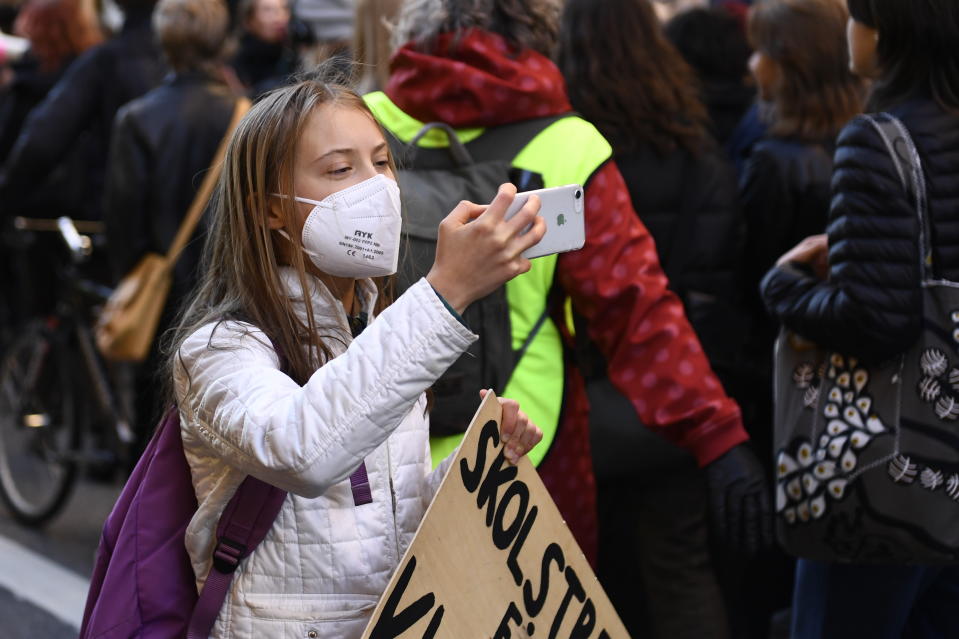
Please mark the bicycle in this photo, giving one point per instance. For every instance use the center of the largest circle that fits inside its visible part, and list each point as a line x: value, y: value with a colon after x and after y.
x: 46, y: 434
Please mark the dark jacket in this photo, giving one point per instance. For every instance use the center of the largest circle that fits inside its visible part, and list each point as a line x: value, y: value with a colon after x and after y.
x: 263, y: 66
x: 784, y: 190
x: 163, y: 144
x: 871, y: 306
x: 689, y: 204
x: 727, y: 102
x: 29, y: 86
x: 785, y: 196
x: 79, y: 111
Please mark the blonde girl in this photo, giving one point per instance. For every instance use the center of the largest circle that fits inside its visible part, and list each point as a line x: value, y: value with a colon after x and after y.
x: 292, y: 365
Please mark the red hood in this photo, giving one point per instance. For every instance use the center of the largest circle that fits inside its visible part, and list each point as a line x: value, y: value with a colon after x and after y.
x: 475, y: 80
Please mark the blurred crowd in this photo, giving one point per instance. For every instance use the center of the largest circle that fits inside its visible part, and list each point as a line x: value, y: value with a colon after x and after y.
x: 717, y: 114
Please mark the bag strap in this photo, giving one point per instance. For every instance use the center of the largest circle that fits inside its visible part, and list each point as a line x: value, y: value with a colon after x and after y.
x: 905, y: 157
x: 202, y: 197
x: 243, y: 525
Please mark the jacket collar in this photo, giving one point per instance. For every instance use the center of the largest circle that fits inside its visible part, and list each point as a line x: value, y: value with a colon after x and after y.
x: 475, y: 79
x: 328, y: 311
x: 195, y: 77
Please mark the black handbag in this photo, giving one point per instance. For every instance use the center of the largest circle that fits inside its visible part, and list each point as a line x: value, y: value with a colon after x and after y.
x: 867, y: 457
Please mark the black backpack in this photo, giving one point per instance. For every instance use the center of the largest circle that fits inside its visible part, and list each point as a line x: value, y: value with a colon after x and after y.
x: 432, y: 183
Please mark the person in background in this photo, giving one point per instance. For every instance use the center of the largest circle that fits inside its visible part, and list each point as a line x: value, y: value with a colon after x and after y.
x: 713, y: 42
x: 653, y: 533
x: 801, y: 67
x: 371, y: 43
x: 78, y: 113
x: 12, y: 49
x: 57, y: 31
x: 265, y: 58
x: 480, y: 67
x: 667, y: 9
x: 162, y: 144
x: 857, y: 289
x: 8, y: 14
x: 332, y: 24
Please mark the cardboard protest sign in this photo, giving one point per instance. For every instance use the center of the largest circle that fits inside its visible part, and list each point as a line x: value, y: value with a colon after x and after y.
x: 493, y: 558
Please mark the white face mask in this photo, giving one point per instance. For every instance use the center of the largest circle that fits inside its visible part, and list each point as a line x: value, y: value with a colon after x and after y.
x: 355, y: 232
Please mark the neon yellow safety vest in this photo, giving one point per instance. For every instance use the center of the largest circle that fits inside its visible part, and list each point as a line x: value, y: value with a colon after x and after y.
x: 569, y: 151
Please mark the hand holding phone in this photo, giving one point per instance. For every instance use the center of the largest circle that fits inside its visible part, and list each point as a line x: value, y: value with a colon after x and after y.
x: 563, y: 210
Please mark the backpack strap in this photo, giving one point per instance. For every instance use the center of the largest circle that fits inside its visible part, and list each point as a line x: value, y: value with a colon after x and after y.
x: 505, y: 142
x: 502, y: 143
x: 243, y: 525
x: 533, y: 332
x: 456, y: 150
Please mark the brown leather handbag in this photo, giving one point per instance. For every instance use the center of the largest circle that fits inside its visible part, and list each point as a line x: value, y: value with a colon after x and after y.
x: 128, y: 323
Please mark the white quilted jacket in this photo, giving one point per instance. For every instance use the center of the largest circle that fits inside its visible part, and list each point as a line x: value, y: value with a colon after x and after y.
x: 322, y: 567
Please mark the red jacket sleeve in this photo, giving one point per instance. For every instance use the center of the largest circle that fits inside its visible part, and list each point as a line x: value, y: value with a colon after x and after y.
x: 654, y: 357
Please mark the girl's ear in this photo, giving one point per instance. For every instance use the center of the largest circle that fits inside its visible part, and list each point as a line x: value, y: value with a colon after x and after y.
x: 274, y: 214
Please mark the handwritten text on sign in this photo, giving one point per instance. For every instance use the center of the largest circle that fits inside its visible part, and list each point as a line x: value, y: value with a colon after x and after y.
x: 493, y: 558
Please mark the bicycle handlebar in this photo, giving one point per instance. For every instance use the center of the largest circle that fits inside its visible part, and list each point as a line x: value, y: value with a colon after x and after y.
x: 81, y: 247
x: 46, y: 224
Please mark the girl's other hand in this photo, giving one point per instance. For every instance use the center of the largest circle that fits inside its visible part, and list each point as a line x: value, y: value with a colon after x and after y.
x: 518, y: 433
x: 814, y: 251
x: 478, y: 251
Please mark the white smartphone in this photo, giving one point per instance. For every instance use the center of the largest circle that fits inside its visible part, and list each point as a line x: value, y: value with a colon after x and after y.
x: 563, y: 211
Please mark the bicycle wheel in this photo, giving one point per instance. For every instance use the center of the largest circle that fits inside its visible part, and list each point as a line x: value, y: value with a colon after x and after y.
x: 38, y: 433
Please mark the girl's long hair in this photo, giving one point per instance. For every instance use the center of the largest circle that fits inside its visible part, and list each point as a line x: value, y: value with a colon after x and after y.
x: 817, y: 93
x: 240, y: 273
x: 625, y: 77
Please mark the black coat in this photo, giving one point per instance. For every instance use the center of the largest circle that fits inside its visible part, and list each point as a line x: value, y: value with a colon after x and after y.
x: 871, y: 306
x: 689, y: 204
x: 163, y: 143
x: 29, y: 86
x: 784, y: 190
x: 78, y: 113
x: 785, y: 196
x: 263, y: 66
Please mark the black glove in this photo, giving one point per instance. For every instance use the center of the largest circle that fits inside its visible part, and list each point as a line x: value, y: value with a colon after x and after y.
x: 739, y: 500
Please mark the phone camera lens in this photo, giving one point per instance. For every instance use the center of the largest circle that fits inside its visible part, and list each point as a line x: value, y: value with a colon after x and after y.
x: 578, y: 194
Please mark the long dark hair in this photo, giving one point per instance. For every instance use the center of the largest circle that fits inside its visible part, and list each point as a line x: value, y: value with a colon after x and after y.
x: 817, y: 94
x: 918, y: 50
x: 625, y: 77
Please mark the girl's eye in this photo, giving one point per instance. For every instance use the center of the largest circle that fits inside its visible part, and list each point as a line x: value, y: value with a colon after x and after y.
x: 343, y: 170
x: 382, y: 163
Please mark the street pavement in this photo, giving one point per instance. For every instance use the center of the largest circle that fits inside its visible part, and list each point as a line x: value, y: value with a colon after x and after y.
x: 44, y: 573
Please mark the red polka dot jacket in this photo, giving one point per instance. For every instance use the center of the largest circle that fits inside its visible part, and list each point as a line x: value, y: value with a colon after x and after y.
x: 615, y: 281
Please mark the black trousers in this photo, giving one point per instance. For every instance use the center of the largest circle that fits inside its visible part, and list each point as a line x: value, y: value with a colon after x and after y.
x: 654, y: 558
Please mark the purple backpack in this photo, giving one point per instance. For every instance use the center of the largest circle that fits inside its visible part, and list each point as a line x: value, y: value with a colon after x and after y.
x: 143, y: 584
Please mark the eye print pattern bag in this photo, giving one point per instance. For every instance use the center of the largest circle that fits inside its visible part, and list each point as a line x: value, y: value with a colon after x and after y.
x: 867, y: 458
